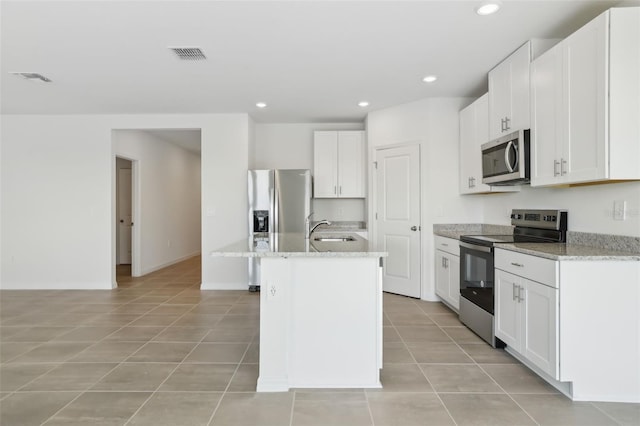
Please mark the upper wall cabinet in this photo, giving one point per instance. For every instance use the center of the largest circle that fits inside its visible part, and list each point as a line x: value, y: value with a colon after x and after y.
x: 338, y: 164
x: 585, y: 104
x: 474, y: 131
x: 509, y: 89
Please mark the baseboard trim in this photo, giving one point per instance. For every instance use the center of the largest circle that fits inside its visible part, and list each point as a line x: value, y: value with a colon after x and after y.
x: 224, y: 286
x: 56, y: 286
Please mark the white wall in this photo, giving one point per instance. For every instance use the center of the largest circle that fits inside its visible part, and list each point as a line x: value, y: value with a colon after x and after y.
x: 168, y: 211
x: 590, y: 207
x: 433, y: 124
x: 290, y: 146
x: 58, y: 196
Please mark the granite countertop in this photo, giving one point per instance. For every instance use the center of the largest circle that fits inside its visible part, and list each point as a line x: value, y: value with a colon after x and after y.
x: 295, y: 245
x: 456, y: 230
x: 342, y: 226
x: 562, y: 251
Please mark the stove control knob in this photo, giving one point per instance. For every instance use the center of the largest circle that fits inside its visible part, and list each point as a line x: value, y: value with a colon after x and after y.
x: 516, y: 216
x: 549, y: 218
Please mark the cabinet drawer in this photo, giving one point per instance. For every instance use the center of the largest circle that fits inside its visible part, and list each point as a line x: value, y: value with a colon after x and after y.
x: 448, y: 245
x: 538, y: 269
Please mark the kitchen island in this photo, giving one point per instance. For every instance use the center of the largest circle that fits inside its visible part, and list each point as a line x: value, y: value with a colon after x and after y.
x: 320, y: 310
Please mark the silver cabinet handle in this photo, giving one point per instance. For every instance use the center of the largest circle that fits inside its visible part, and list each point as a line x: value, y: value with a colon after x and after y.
x: 446, y: 263
x: 563, y: 163
x: 506, y: 123
x: 335, y: 189
x: 520, y: 298
x: 443, y: 244
x: 556, y: 163
x: 519, y: 265
x: 514, y: 291
x: 414, y: 228
x: 340, y: 189
x: 502, y: 124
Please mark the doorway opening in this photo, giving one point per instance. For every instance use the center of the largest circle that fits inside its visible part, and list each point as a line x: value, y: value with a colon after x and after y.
x: 156, y: 202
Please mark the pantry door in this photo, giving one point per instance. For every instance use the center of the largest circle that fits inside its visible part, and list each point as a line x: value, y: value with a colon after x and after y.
x: 397, y: 218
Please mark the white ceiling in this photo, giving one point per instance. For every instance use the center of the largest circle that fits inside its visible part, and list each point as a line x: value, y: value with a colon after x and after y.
x: 311, y: 61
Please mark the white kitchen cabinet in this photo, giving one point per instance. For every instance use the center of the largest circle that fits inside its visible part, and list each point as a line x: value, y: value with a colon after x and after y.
x: 585, y: 103
x: 527, y: 319
x: 556, y: 318
x: 474, y: 131
x: 447, y: 271
x: 509, y: 106
x: 339, y: 166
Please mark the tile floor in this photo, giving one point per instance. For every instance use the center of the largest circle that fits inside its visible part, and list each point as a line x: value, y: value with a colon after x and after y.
x: 158, y: 351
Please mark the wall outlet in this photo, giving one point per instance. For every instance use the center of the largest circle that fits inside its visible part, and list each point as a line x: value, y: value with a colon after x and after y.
x: 619, y: 210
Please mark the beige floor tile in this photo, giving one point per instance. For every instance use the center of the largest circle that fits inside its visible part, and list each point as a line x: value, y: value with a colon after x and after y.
x: 10, y: 350
x: 244, y: 409
x: 70, y: 377
x: 245, y: 378
x: 422, y: 334
x: 117, y: 320
x: 14, y: 376
x: 182, y: 334
x: 517, y: 378
x: 624, y: 413
x: 200, y: 377
x: 396, y: 352
x: 53, y: 352
x: 86, y: 334
x: 162, y: 352
x: 438, y: 353
x: 32, y: 408
x: 408, y: 307
x: 177, y: 408
x: 35, y: 334
x: 403, y: 378
x: 558, y: 410
x: 244, y: 309
x: 408, y: 409
x: 389, y: 334
x: 170, y: 309
x: 210, y: 309
x: 135, y: 377
x: 220, y: 300
x: 252, y: 356
x: 446, y: 320
x: 485, y: 354
x: 100, y: 408
x: 459, y: 378
x: 107, y: 351
x: 72, y: 319
x: 240, y: 321
x: 409, y: 318
x: 198, y: 320
x: 231, y: 334
x: 485, y: 409
x: 328, y: 408
x: 135, y: 308
x: 463, y: 335
x: 433, y: 307
x: 135, y: 334
x: 157, y: 320
x: 218, y: 352
x: 155, y: 299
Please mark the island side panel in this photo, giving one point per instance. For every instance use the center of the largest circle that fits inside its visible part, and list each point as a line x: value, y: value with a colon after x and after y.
x: 320, y: 323
x: 335, y: 323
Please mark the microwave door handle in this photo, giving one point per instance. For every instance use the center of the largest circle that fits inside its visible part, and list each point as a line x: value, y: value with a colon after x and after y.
x: 507, y: 160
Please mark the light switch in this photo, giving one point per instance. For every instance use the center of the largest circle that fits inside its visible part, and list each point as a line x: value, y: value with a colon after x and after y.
x: 619, y: 210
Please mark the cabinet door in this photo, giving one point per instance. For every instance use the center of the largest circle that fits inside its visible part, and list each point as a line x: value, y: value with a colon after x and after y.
x: 547, y: 125
x: 454, y: 281
x: 584, y: 153
x: 507, y: 309
x: 499, y: 98
x: 539, y: 305
x: 519, y: 117
x: 351, y: 164
x: 325, y: 164
x: 442, y: 276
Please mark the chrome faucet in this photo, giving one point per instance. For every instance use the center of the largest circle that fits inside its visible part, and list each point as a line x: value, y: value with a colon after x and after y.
x: 307, y: 226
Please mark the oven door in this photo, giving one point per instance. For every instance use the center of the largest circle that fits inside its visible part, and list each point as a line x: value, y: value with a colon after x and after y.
x: 476, y: 275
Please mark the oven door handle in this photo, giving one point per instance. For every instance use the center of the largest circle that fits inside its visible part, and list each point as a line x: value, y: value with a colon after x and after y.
x: 475, y: 247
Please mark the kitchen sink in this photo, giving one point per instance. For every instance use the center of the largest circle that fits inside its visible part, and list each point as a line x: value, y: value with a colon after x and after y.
x: 333, y: 239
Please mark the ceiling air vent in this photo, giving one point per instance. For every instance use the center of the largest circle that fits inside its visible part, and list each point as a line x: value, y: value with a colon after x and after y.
x: 189, y: 53
x: 34, y: 76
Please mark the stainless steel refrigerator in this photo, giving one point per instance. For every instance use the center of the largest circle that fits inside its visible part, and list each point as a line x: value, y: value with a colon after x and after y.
x: 279, y: 201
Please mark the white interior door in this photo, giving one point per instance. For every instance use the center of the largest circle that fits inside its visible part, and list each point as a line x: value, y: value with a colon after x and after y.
x: 398, y: 218
x: 124, y: 216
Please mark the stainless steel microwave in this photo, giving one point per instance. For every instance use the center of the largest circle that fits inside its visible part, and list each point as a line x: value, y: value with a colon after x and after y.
x: 505, y: 161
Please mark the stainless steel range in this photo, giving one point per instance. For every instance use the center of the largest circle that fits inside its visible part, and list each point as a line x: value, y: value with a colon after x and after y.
x: 476, y: 264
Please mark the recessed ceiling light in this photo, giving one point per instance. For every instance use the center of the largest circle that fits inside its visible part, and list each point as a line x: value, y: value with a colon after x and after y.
x: 488, y: 7
x: 32, y: 76
x: 363, y: 104
x: 261, y: 105
x: 430, y: 79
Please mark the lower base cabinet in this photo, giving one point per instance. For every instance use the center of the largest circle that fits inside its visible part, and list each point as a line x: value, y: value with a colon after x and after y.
x: 447, y: 271
x: 527, y: 319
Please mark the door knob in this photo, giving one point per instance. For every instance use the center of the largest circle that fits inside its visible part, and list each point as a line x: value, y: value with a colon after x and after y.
x: 121, y: 221
x: 414, y: 228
